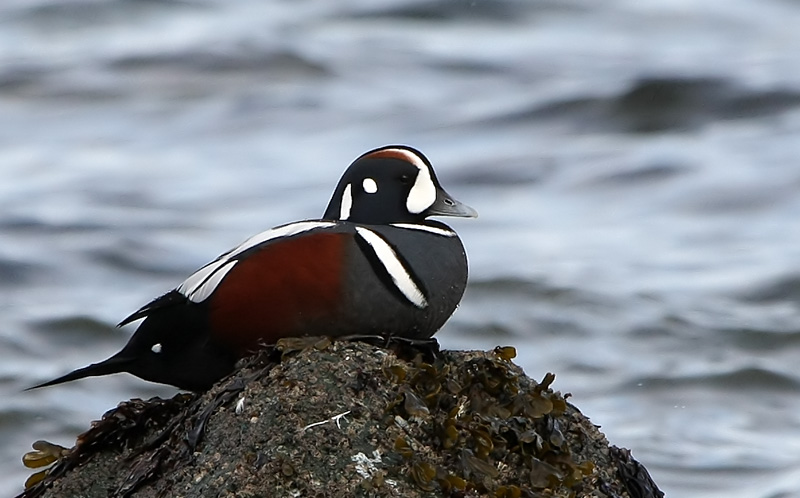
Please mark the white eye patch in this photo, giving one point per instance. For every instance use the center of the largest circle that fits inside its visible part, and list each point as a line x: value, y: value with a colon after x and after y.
x: 370, y: 186
x: 156, y: 348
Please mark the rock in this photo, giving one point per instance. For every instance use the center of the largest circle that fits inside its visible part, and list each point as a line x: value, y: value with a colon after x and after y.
x: 352, y: 419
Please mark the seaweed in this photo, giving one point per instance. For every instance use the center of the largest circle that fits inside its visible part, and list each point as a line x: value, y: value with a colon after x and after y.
x: 495, y: 430
x: 322, y: 418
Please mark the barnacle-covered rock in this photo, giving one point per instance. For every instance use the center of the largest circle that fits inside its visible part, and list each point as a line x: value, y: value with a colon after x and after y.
x: 350, y: 419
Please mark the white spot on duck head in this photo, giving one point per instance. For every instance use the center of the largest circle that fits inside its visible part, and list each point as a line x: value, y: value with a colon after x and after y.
x: 370, y: 185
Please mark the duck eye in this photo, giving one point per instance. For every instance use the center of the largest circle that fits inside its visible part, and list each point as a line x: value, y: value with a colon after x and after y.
x: 405, y: 178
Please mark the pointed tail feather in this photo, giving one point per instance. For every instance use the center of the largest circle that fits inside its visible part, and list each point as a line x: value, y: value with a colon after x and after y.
x: 112, y: 365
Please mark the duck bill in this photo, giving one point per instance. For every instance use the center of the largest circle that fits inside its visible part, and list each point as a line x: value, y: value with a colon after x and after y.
x: 446, y: 205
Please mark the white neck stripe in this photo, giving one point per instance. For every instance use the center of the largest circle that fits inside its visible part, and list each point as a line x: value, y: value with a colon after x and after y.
x: 346, y: 204
x: 425, y: 228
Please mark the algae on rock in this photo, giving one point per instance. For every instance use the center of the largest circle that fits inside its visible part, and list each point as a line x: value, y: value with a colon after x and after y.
x: 352, y: 419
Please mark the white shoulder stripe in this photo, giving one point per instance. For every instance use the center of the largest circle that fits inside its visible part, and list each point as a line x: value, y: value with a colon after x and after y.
x: 202, y: 283
x: 388, y: 258
x: 425, y: 228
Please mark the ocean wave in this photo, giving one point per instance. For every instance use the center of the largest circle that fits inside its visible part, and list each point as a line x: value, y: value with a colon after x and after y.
x: 748, y: 378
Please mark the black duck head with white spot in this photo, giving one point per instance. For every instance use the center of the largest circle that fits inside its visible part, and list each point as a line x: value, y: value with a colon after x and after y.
x: 392, y: 184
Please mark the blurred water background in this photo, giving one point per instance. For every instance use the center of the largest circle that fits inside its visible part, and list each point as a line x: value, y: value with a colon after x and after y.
x: 636, y: 166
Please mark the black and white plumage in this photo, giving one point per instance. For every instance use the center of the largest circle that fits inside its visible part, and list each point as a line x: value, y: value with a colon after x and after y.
x: 373, y: 265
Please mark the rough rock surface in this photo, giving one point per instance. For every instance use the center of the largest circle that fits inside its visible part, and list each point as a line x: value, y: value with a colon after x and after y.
x: 352, y: 419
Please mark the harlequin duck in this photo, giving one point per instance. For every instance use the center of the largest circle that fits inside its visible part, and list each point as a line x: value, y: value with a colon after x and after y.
x: 373, y: 265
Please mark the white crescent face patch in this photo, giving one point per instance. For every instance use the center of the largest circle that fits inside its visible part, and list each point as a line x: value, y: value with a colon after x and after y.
x: 202, y: 283
x: 423, y: 192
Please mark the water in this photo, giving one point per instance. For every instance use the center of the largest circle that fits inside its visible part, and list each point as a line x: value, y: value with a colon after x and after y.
x: 635, y: 166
